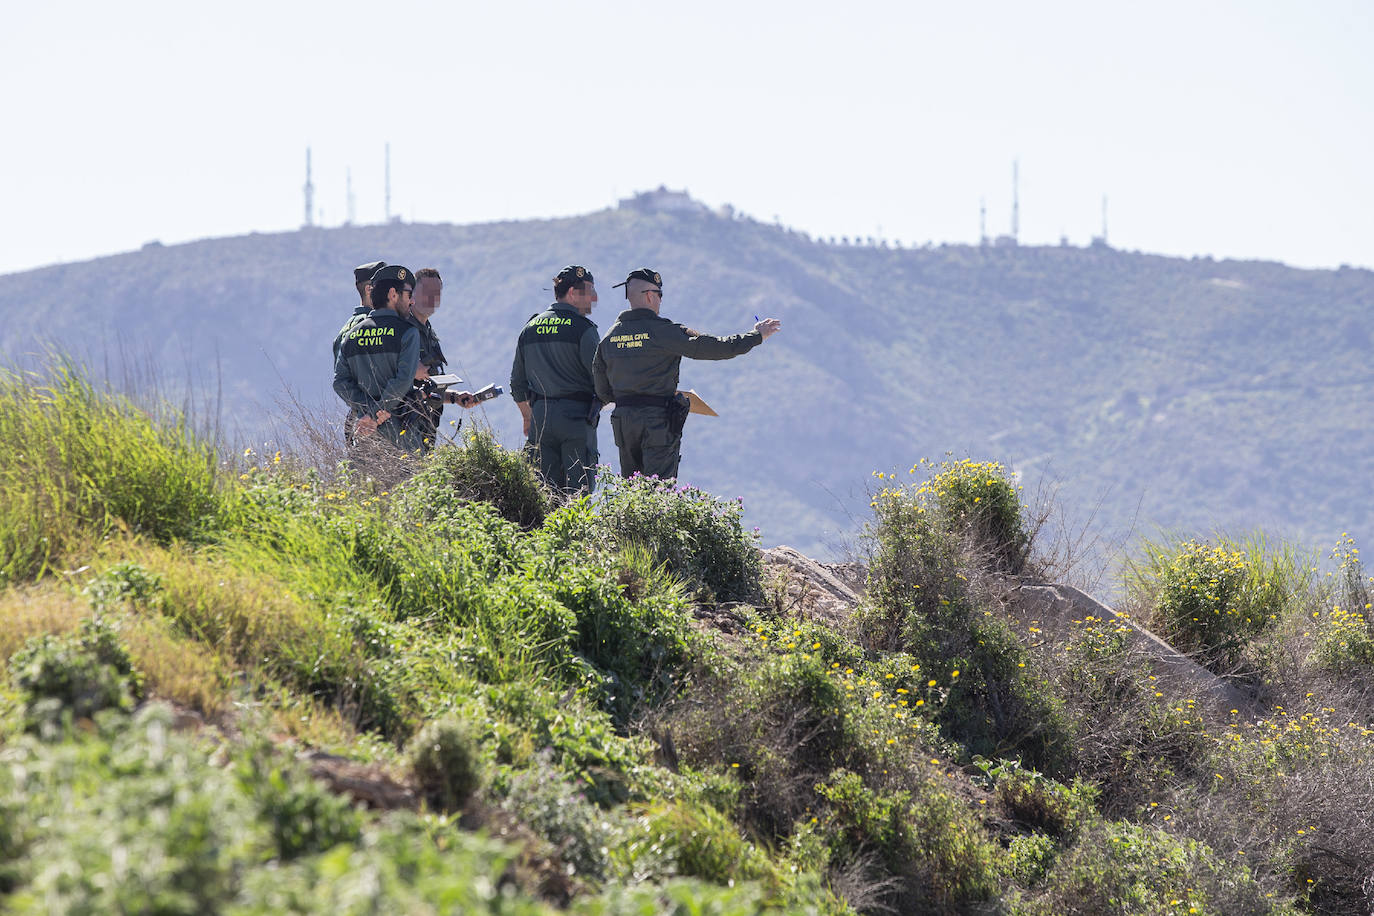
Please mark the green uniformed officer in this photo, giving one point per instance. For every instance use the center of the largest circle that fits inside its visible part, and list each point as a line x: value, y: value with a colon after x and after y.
x: 362, y: 282
x: 551, y: 381
x: 636, y: 366
x: 423, y: 408
x: 379, y: 357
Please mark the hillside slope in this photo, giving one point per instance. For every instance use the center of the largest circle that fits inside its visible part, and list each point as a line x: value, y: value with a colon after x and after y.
x: 261, y: 687
x: 1190, y: 394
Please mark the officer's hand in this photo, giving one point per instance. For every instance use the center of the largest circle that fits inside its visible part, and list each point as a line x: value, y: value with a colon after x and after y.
x: 768, y: 327
x: 382, y: 417
x: 364, y: 427
x: 421, y: 372
x: 462, y: 399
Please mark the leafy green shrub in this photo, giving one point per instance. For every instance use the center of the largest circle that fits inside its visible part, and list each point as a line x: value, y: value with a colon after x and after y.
x: 1214, y: 599
x: 483, y: 470
x: 1029, y: 857
x: 133, y: 817
x: 930, y: 840
x: 698, y: 537
x: 446, y: 762
x: 704, y: 844
x: 1345, y: 636
x: 1126, y: 736
x: 781, y: 725
x: 123, y: 582
x: 128, y: 819
x: 921, y: 600
x: 544, y: 800
x: 1125, y: 868
x: 1041, y: 803
x: 977, y: 497
x: 302, y: 815
x: 77, y: 675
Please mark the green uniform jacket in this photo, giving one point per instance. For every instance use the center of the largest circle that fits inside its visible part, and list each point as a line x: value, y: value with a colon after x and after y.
x: 376, y: 365
x: 431, y: 354
x: 359, y: 313
x: 641, y: 354
x: 423, y: 408
x: 553, y: 357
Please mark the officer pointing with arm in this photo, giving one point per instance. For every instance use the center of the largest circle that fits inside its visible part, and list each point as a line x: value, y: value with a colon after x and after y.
x: 551, y: 382
x: 636, y: 366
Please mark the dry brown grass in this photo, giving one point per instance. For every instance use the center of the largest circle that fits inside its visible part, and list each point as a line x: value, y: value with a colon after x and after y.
x: 178, y: 669
x: 36, y: 610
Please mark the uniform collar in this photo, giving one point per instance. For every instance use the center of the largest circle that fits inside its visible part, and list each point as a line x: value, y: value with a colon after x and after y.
x: 630, y: 314
x: 564, y: 307
x: 384, y: 313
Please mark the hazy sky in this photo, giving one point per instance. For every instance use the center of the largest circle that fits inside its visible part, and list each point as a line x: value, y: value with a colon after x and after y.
x: 1237, y: 129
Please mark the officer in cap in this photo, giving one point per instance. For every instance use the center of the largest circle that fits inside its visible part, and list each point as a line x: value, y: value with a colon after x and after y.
x: 362, y: 282
x: 636, y: 366
x: 378, y: 358
x: 551, y: 382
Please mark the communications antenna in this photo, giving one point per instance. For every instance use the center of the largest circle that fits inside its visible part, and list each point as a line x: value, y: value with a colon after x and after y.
x: 309, y: 192
x: 1015, y: 201
x: 1104, y: 219
x: 348, y: 180
x: 388, y: 182
x: 982, y: 221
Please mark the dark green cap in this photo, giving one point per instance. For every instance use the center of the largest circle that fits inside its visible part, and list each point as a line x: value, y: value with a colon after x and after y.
x: 574, y: 273
x: 647, y: 274
x: 393, y: 273
x: 363, y: 272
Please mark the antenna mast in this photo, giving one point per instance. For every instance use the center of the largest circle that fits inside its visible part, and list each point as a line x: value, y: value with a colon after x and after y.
x: 309, y: 192
x: 1104, y: 219
x: 1015, y: 201
x: 982, y: 221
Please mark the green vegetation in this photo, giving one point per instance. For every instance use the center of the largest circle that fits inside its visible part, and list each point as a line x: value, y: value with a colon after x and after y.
x: 604, y: 706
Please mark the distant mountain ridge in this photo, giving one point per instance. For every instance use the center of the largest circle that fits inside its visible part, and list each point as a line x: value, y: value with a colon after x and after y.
x: 1189, y: 394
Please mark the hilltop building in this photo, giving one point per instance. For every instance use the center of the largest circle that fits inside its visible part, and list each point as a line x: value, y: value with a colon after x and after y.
x: 663, y: 200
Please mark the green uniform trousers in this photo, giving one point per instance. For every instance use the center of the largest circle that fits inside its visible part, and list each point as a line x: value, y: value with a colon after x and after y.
x: 647, y: 445
x: 564, y: 443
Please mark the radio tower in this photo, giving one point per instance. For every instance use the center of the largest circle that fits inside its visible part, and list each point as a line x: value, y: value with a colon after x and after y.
x: 388, y: 182
x: 982, y: 222
x: 348, y: 180
x: 1104, y: 219
x: 1015, y: 202
x: 309, y: 192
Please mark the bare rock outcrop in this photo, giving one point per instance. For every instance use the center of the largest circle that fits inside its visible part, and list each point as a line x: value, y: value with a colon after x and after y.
x: 1059, y: 607
x: 826, y: 590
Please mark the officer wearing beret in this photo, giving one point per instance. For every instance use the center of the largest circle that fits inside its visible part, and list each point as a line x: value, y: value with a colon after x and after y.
x: 636, y: 366
x: 551, y: 382
x: 379, y: 357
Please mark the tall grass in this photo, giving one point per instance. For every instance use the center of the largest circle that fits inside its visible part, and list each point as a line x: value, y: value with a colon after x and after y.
x: 78, y: 462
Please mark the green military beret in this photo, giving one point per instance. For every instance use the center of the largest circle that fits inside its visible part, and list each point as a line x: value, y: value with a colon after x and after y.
x: 647, y: 274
